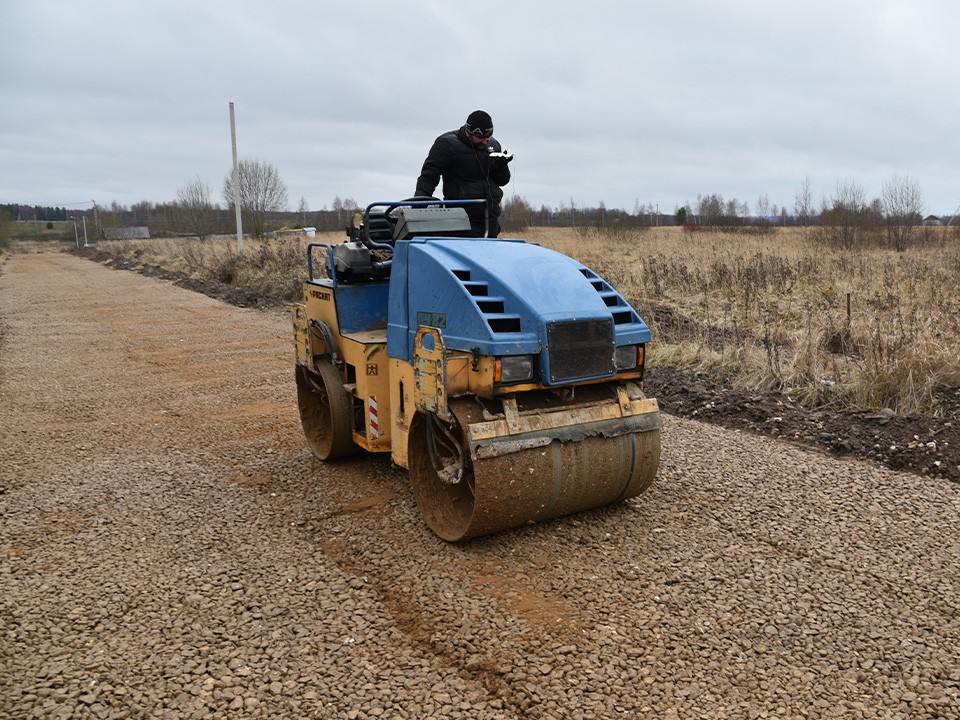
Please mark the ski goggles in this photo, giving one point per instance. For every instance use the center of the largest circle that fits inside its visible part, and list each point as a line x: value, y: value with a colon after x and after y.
x: 479, y: 132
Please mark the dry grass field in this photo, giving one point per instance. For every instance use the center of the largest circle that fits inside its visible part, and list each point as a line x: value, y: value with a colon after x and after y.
x: 834, y: 327
x: 837, y: 328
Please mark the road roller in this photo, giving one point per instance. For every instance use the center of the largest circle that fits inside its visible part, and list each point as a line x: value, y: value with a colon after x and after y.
x: 504, y: 376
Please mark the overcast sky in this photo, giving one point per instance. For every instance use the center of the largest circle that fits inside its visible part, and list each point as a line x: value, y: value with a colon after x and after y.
x: 620, y: 101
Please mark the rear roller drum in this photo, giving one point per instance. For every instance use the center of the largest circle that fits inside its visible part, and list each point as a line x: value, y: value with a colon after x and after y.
x: 325, y: 411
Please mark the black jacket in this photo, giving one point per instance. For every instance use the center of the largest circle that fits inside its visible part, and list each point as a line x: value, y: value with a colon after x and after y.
x: 467, y: 174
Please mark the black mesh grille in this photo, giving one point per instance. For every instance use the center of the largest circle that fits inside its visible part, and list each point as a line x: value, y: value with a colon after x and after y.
x: 579, y: 349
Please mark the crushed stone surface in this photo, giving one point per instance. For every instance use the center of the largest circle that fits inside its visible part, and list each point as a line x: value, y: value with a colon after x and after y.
x: 170, y: 549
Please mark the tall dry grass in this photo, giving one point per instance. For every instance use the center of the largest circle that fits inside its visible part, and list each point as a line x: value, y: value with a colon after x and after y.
x: 275, y: 266
x: 770, y: 310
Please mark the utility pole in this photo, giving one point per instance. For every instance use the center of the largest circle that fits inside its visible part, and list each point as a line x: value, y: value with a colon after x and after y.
x: 236, y: 183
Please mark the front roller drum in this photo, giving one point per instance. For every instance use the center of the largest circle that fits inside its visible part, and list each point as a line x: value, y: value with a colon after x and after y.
x: 461, y: 497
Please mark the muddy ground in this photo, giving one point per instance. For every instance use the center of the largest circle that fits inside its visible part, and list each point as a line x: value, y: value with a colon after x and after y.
x: 916, y: 443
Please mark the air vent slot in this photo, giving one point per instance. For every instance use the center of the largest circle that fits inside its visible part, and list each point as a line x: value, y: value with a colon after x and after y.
x: 504, y: 324
x: 490, y: 306
x: 622, y: 314
x: 493, y: 308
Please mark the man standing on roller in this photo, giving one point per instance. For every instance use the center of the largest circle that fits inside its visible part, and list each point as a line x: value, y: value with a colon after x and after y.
x: 473, y: 167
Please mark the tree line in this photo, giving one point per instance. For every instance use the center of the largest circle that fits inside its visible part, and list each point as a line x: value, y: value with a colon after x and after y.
x: 845, y: 217
x: 40, y: 213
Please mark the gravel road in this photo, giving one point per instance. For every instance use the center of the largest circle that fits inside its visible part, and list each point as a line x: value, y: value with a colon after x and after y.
x: 169, y: 549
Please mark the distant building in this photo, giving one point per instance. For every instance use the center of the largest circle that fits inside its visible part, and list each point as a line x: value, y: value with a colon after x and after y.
x: 126, y: 233
x: 932, y: 221
x: 290, y: 232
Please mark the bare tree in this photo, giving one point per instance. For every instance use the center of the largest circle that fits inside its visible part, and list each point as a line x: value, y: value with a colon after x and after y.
x: 846, y: 214
x: 803, y: 202
x: 733, y: 208
x: 108, y: 217
x: 517, y: 214
x: 195, y: 210
x: 763, y: 206
x: 141, y: 212
x: 303, y: 209
x: 902, y: 204
x: 261, y: 192
x: 544, y: 215
x: 761, y: 218
x: 710, y: 209
x: 344, y: 209
x: 601, y: 219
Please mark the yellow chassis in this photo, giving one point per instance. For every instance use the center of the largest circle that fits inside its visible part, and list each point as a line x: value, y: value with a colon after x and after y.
x: 391, y: 391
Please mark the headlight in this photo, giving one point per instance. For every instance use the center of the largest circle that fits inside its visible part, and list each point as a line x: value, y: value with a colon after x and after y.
x: 514, y: 368
x: 626, y: 357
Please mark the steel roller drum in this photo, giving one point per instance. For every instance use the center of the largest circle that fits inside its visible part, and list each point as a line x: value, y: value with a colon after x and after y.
x: 503, y: 487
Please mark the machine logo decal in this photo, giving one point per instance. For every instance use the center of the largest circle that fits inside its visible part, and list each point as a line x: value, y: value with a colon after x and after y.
x: 432, y: 319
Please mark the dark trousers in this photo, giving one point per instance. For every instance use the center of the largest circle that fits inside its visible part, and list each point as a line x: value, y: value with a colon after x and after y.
x: 493, y: 226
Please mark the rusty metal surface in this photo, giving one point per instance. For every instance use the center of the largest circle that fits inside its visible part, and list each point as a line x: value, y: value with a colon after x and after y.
x: 546, y: 479
x: 429, y: 372
x: 487, y: 446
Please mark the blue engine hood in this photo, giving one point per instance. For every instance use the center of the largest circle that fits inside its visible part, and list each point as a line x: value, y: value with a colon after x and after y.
x: 496, y: 296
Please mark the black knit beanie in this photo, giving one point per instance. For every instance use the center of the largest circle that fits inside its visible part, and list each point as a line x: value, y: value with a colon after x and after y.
x: 479, y: 119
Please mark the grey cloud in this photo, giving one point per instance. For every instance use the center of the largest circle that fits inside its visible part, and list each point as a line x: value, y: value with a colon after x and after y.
x: 615, y: 101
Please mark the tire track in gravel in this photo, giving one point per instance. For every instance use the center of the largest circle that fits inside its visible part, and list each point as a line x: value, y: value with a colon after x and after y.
x: 169, y: 547
x: 173, y: 583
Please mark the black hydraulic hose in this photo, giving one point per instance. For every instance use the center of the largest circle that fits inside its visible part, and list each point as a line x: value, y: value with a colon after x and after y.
x: 322, y: 330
